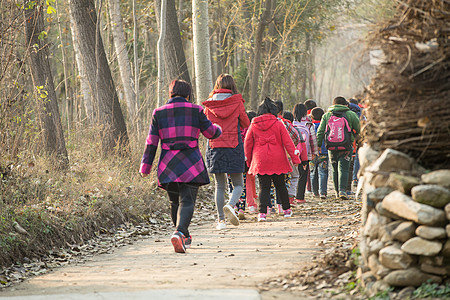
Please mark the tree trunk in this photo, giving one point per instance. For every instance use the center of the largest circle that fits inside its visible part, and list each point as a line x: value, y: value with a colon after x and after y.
x: 174, y: 56
x: 137, y: 73
x: 161, y: 67
x: 202, y: 55
x: 122, y: 58
x: 69, y: 99
x: 41, y: 75
x: 258, y: 50
x: 109, y: 114
x: 84, y: 84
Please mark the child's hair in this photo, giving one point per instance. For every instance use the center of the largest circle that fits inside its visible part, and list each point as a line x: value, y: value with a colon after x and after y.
x: 288, y: 116
x: 279, y: 104
x: 299, y: 111
x: 310, y: 104
x: 179, y: 88
x: 225, y: 81
x: 267, y: 106
x: 340, y: 100
x: 251, y: 114
x: 354, y: 101
x: 317, y: 113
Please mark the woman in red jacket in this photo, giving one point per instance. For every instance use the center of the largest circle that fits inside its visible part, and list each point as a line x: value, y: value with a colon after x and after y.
x: 265, y: 145
x: 225, y: 155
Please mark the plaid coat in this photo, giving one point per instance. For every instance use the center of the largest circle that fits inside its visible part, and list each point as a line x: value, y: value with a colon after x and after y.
x: 178, y: 124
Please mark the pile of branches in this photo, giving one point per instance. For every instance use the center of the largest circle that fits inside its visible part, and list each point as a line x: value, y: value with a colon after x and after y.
x: 409, y: 98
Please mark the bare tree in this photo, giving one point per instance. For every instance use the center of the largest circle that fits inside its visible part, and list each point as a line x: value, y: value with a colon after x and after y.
x: 122, y: 58
x: 262, y: 24
x: 38, y: 53
x: 174, y: 56
x: 202, y: 56
x: 161, y: 67
x: 109, y: 113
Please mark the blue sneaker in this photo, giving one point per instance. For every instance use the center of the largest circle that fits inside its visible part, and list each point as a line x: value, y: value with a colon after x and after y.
x: 178, y: 242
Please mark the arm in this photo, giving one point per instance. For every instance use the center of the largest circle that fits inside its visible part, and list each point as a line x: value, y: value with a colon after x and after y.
x: 150, y: 147
x: 243, y: 118
x: 289, y: 144
x: 249, y: 143
x: 321, y: 130
x: 208, y: 129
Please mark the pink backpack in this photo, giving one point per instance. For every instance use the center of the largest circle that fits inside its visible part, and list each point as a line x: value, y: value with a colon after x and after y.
x: 338, y: 132
x: 303, y: 130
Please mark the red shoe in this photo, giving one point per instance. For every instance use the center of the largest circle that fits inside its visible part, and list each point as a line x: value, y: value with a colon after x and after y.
x: 300, y: 201
x: 292, y: 201
x: 178, y: 242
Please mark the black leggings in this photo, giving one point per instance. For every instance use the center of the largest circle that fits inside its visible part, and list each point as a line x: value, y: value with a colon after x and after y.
x: 181, y: 210
x: 264, y: 191
x: 302, y: 179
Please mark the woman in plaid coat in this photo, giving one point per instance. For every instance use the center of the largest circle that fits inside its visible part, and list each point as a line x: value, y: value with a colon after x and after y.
x: 181, y: 169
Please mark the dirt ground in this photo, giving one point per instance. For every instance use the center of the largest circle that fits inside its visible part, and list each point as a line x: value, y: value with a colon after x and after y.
x: 246, y: 256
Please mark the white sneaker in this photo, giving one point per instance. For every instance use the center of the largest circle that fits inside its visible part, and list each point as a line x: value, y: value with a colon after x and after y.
x: 231, y: 214
x: 221, y: 225
x: 252, y: 210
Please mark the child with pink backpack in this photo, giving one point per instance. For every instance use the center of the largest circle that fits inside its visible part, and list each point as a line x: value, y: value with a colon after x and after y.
x: 303, y: 124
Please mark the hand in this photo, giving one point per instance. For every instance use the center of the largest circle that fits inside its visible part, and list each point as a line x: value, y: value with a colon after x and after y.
x: 304, y: 167
x: 143, y: 175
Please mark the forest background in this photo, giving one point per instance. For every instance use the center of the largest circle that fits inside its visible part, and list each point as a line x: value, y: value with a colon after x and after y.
x: 79, y: 80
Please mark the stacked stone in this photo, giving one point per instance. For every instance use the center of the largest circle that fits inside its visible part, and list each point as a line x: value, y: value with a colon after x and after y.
x: 405, y: 234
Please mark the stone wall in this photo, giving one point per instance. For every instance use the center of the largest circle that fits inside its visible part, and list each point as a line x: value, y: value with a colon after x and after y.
x: 405, y: 233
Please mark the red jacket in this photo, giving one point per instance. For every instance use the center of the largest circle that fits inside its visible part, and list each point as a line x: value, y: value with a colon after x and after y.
x: 226, y: 113
x: 265, y: 146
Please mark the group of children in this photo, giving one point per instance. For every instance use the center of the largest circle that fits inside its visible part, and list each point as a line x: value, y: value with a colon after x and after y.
x: 283, y: 150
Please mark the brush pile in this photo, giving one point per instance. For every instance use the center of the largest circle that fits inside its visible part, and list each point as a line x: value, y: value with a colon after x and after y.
x: 409, y: 98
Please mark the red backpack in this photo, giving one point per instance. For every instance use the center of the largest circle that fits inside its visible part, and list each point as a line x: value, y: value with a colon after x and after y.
x: 338, y: 132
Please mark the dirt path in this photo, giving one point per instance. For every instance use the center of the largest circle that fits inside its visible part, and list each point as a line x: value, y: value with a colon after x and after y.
x: 238, y: 257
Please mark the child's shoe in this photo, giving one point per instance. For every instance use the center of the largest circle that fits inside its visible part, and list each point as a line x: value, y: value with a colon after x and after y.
x: 287, y: 213
x: 280, y: 209
x: 178, y: 242
x: 262, y: 217
x: 221, y: 225
x: 268, y: 210
x: 241, y: 215
x: 300, y: 201
x: 231, y: 214
x: 343, y: 195
x: 323, y: 196
x: 292, y: 201
x: 252, y: 210
x: 188, y: 242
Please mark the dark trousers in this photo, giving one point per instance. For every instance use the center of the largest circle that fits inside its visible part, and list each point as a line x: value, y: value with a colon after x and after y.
x: 340, y: 164
x: 264, y: 191
x: 182, y: 198
x: 302, y: 179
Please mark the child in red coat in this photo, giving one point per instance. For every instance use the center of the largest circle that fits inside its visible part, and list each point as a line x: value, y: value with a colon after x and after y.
x: 265, y: 146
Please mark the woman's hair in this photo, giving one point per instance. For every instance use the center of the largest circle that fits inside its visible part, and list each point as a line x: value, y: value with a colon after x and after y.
x: 251, y: 114
x: 225, y: 81
x: 299, y: 111
x: 288, y: 116
x: 179, y: 88
x: 267, y: 106
x: 310, y: 104
x: 317, y: 113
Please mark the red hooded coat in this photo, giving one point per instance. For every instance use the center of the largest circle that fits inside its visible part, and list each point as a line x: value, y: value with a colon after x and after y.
x: 265, y: 146
x: 226, y: 113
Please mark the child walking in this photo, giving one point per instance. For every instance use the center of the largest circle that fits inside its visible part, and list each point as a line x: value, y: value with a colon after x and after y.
x: 181, y: 169
x: 266, y: 143
x: 225, y: 155
x: 319, y: 165
x: 304, y: 125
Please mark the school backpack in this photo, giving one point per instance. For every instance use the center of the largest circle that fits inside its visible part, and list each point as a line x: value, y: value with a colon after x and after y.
x: 338, y: 132
x: 303, y: 130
